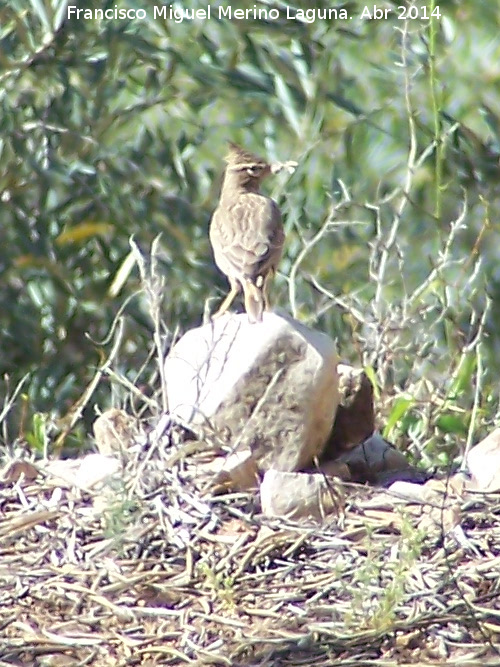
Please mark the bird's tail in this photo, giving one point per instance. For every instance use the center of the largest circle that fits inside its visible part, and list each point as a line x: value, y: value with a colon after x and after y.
x: 254, y: 299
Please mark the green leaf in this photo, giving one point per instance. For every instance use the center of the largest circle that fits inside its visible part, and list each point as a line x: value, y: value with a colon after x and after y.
x: 400, y: 408
x: 454, y: 424
x: 41, y: 11
x: 370, y: 372
x: 82, y: 232
x: 60, y: 12
x: 287, y: 104
x: 464, y: 379
x: 345, y: 104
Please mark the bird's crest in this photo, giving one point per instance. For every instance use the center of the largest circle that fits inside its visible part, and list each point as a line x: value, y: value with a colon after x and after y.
x: 242, y: 159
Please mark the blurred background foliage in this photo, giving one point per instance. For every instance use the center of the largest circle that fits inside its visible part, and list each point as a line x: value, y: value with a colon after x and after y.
x: 112, y: 128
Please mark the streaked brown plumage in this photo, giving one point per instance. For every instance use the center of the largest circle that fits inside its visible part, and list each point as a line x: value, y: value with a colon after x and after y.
x: 246, y: 232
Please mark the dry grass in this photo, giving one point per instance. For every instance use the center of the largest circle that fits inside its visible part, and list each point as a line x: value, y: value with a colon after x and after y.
x: 152, y: 570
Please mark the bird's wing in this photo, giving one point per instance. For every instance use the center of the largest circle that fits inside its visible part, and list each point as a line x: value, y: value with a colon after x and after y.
x: 247, y: 236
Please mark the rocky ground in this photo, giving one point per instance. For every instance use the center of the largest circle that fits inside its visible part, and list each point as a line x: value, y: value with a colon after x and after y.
x: 152, y: 568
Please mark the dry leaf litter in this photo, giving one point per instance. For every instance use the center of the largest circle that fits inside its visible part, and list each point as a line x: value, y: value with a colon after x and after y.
x: 151, y: 567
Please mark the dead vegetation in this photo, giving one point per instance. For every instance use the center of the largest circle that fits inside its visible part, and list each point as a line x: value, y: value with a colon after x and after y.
x: 151, y: 569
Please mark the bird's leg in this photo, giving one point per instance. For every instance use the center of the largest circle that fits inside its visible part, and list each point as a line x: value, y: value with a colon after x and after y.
x: 235, y: 288
x: 254, y: 299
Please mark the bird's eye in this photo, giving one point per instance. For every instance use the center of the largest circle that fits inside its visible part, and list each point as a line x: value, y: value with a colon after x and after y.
x: 253, y: 171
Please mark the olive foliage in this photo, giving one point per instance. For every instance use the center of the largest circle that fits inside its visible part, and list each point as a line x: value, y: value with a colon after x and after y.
x: 112, y: 129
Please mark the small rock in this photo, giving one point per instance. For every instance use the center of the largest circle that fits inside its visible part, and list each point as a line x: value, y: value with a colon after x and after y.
x: 270, y: 387
x: 85, y: 473
x: 483, y: 463
x: 115, y: 431
x: 237, y: 472
x: 376, y: 453
x: 410, y: 492
x: 355, y: 417
x: 447, y: 488
x: 16, y: 471
x: 298, y: 495
x: 373, y: 459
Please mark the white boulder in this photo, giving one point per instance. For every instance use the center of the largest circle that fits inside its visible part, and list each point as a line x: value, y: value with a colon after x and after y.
x: 299, y: 495
x: 483, y: 463
x: 270, y: 387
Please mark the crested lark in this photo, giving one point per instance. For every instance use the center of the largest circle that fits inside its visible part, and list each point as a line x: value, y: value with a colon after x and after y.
x: 246, y: 231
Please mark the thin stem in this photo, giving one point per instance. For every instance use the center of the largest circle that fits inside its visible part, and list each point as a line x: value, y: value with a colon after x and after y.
x: 436, y: 111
